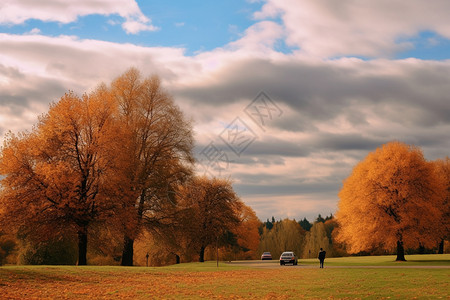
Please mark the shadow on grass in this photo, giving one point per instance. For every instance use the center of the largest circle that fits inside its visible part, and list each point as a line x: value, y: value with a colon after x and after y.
x: 34, y: 275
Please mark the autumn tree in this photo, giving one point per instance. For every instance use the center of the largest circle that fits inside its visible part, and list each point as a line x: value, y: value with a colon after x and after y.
x: 210, y: 207
x: 243, y: 239
x: 177, y: 237
x: 247, y: 232
x: 442, y: 167
x: 63, y: 175
x: 159, y: 153
x: 170, y: 235
x: 285, y: 235
x: 392, y: 198
x: 317, y: 238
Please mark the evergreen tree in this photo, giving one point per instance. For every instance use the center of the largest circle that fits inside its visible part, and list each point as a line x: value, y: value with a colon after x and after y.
x: 305, y: 224
x: 268, y: 224
x: 320, y: 219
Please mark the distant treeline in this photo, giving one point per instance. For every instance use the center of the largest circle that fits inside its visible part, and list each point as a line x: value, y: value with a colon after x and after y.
x: 305, y: 238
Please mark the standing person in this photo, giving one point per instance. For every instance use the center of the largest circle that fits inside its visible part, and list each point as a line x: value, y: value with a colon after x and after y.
x: 322, y: 257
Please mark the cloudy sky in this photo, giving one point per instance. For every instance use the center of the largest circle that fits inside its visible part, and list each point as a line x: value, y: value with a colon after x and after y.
x: 286, y: 95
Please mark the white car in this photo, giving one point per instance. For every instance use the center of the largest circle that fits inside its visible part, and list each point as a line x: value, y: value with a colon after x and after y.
x: 288, y: 257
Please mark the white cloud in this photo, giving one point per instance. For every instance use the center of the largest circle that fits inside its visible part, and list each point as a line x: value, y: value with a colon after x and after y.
x: 35, y: 31
x: 85, y: 61
x: 134, y: 27
x: 19, y: 11
x: 56, y: 65
x: 259, y: 38
x: 329, y: 28
x: 334, y: 111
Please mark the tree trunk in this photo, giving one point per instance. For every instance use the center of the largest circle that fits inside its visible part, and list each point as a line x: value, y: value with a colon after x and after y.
x: 82, y: 247
x: 127, y: 254
x: 400, y: 251
x: 202, y: 254
x: 441, y: 247
x: 177, y: 257
x: 128, y: 243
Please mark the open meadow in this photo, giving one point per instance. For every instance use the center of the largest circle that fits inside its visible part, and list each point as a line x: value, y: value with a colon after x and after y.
x: 422, y: 276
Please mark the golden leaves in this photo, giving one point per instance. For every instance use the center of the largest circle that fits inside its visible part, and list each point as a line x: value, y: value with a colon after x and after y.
x: 393, y: 193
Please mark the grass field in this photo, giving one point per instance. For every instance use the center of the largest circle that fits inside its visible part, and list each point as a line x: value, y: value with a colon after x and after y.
x: 387, y: 260
x: 412, y: 279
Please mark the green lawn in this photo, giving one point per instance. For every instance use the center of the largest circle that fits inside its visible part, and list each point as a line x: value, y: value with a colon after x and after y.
x: 205, y: 280
x: 385, y: 260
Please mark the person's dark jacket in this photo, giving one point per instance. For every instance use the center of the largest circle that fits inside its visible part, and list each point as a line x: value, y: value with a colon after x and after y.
x: 322, y: 254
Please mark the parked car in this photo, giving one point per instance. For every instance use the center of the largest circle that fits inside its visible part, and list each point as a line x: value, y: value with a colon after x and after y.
x: 288, y: 257
x: 266, y: 256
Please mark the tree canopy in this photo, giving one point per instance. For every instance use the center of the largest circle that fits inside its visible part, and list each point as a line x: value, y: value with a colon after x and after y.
x: 393, y: 197
x: 64, y: 174
x: 443, y: 171
x: 159, y: 152
x: 111, y: 156
x: 212, y: 209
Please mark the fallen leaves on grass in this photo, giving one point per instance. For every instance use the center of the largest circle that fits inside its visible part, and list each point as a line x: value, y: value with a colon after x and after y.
x: 36, y: 284
x: 154, y: 283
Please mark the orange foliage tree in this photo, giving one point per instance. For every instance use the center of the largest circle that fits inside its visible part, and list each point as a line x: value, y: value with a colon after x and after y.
x: 116, y: 159
x: 247, y: 233
x: 159, y: 152
x: 209, y: 207
x: 392, y: 198
x: 443, y: 171
x: 64, y: 175
x: 178, y: 237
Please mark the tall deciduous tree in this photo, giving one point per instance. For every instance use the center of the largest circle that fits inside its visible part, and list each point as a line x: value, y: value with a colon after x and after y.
x: 443, y: 171
x: 64, y: 174
x: 159, y: 152
x: 392, y: 198
x: 210, y: 206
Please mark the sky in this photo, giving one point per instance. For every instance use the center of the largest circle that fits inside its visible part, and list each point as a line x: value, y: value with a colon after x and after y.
x: 286, y: 96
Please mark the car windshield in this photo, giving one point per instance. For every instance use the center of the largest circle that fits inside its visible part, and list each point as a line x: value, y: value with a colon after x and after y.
x: 267, y: 253
x: 287, y: 254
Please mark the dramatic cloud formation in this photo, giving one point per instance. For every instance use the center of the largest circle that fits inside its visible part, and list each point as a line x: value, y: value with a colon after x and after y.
x: 331, y: 107
x: 19, y: 11
x: 327, y: 28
